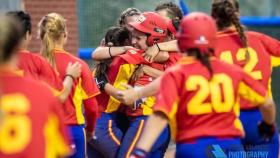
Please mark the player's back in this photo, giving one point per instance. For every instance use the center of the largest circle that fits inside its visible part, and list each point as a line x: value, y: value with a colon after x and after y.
x: 207, y: 105
x: 36, y: 67
x: 257, y: 62
x: 32, y: 125
x: 83, y: 88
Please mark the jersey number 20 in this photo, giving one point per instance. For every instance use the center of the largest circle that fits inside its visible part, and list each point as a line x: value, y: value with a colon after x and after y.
x: 220, y: 90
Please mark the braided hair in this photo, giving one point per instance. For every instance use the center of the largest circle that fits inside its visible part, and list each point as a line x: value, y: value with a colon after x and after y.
x: 226, y: 13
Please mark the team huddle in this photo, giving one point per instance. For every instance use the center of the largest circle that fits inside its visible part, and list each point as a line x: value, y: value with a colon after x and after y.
x: 198, y: 82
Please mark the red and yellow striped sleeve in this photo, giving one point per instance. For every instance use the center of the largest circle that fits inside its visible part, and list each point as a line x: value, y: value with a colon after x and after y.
x: 275, y: 61
x: 88, y: 85
x: 252, y: 90
x: 271, y: 45
x: 120, y: 73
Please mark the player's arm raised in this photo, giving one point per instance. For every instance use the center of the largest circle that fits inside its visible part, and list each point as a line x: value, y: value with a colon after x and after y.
x: 151, y: 52
x: 101, y: 53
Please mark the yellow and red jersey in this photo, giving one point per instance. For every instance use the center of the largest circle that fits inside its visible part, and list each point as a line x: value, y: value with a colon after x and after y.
x: 146, y: 106
x: 32, y: 125
x: 36, y: 67
x: 120, y: 72
x: 83, y: 88
x: 200, y: 106
x: 256, y: 59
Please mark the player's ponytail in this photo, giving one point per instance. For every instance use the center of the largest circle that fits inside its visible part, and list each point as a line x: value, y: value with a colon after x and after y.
x: 47, y: 47
x: 226, y: 13
x: 51, y: 29
x: 203, y: 57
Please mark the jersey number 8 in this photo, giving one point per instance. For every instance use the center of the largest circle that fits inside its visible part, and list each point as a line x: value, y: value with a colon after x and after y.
x: 15, y: 132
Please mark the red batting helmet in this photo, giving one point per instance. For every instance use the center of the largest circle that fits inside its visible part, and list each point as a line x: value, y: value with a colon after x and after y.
x: 197, y: 30
x: 152, y: 24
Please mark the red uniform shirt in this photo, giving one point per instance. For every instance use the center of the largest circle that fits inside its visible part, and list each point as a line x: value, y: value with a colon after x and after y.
x: 32, y: 125
x: 36, y: 67
x: 202, y: 107
x: 174, y: 57
x: 135, y: 57
x: 146, y: 79
x: 83, y: 88
x: 260, y: 50
x: 120, y: 72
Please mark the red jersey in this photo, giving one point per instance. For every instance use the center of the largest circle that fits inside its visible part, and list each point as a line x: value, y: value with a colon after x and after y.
x: 201, y: 106
x: 260, y: 49
x: 120, y: 72
x: 174, y: 57
x: 135, y: 57
x: 38, y: 68
x: 83, y: 88
x: 146, y: 79
x: 32, y: 125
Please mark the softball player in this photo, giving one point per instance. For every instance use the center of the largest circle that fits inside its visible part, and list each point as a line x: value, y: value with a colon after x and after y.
x: 36, y: 67
x: 32, y: 125
x: 252, y: 51
x: 119, y: 72
x: 149, y: 29
x: 173, y: 14
x: 52, y: 31
x: 108, y: 131
x: 202, y: 97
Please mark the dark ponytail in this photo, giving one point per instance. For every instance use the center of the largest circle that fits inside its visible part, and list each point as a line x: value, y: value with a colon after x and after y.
x: 115, y: 36
x: 204, y: 58
x: 226, y: 13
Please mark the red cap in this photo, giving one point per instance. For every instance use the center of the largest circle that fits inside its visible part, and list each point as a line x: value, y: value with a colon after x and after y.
x: 197, y: 30
x: 152, y: 24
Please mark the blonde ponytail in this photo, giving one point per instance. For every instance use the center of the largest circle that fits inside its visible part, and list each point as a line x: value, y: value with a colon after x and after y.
x: 51, y: 27
x: 47, y: 47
